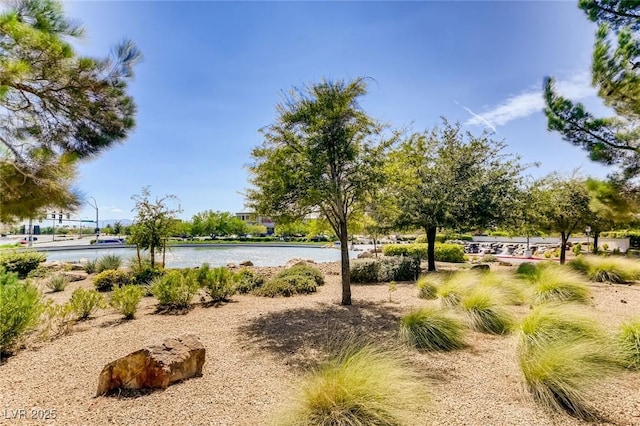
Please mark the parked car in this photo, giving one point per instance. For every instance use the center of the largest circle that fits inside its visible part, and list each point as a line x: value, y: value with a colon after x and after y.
x: 110, y: 241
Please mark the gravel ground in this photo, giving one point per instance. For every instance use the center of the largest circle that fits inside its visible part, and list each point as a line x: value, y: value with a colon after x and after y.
x: 257, y: 349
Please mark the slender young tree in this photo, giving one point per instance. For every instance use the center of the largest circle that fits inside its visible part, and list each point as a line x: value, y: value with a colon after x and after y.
x: 153, y: 224
x: 322, y: 154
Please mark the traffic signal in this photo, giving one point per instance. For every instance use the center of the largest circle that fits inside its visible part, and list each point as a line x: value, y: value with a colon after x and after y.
x: 53, y: 215
x: 59, y: 218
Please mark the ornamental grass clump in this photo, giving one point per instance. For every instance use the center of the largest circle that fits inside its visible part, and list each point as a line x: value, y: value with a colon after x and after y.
x: 431, y: 329
x: 428, y: 287
x: 455, y: 286
x: 21, y: 262
x: 57, y: 282
x: 629, y: 341
x: 564, y: 356
x: 485, y: 312
x: 126, y: 299
x: 108, y: 262
x: 20, y: 309
x: 611, y: 269
x: 556, y: 283
x: 360, y: 385
x: 511, y: 290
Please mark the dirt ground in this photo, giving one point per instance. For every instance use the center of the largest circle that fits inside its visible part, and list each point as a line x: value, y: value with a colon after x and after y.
x: 258, y: 348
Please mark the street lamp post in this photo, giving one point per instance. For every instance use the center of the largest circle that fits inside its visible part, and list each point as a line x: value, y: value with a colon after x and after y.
x: 95, y: 206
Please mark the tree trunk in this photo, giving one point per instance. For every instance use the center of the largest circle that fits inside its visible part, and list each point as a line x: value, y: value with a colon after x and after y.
x: 344, y: 254
x: 563, y: 247
x: 152, y: 252
x: 375, y: 248
x: 595, y: 241
x: 431, y: 248
x: 138, y: 254
x: 164, y: 252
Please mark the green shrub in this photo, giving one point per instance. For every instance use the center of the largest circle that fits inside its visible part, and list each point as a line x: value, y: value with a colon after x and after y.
x: 608, y: 269
x: 144, y: 275
x: 107, y: 280
x: 90, y: 266
x: 488, y: 258
x: 249, y: 281
x: 384, y: 269
x: 219, y: 283
x: 21, y: 262
x: 57, y: 282
x: 427, y: 287
x: 527, y: 270
x: 126, y: 299
x: 510, y: 289
x: 484, y: 312
x: 358, y: 386
x: 629, y: 340
x: 577, y: 249
x: 432, y: 330
x: 287, y: 286
x: 85, y: 302
x: 20, y: 309
x: 175, y: 289
x: 58, y: 320
x: 364, y: 270
x: 108, y: 262
x: 453, y: 253
x: 306, y: 270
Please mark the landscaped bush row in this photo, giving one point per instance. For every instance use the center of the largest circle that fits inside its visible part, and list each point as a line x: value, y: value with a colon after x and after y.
x: 384, y: 269
x: 443, y: 252
x: 299, y: 279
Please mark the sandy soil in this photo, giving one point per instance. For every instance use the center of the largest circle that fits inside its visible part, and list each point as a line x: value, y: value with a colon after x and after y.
x: 257, y: 348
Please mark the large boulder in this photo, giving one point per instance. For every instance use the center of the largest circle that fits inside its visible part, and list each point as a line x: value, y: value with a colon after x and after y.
x: 246, y: 263
x: 75, y: 275
x: 366, y: 255
x: 155, y: 366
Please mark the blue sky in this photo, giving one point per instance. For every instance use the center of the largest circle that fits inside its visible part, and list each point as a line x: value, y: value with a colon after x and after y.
x: 213, y: 72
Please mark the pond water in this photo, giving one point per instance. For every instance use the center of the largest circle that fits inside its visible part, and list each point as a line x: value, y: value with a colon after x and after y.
x: 185, y: 257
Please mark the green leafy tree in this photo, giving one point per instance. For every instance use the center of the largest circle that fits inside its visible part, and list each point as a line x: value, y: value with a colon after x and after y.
x: 444, y: 178
x: 322, y: 154
x: 289, y: 229
x: 562, y: 207
x: 153, y: 224
x: 616, y: 74
x: 59, y: 107
x: 211, y: 222
x: 613, y: 204
x: 117, y: 228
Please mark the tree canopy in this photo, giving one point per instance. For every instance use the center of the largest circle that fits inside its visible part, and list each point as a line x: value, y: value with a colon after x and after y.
x: 211, y: 222
x: 616, y: 74
x: 447, y: 178
x: 55, y: 103
x: 322, y: 154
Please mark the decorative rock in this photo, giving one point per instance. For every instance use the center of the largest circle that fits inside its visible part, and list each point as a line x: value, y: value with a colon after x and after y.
x: 296, y: 262
x: 75, y: 275
x: 482, y: 267
x: 76, y: 266
x: 246, y: 263
x: 156, y: 366
x: 365, y: 255
x: 231, y: 265
x: 503, y: 263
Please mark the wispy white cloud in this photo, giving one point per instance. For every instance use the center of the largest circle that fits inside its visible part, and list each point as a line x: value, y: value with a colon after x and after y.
x: 529, y: 102
x: 478, y: 117
x: 116, y: 210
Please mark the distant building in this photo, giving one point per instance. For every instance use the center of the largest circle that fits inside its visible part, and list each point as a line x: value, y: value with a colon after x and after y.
x: 252, y: 219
